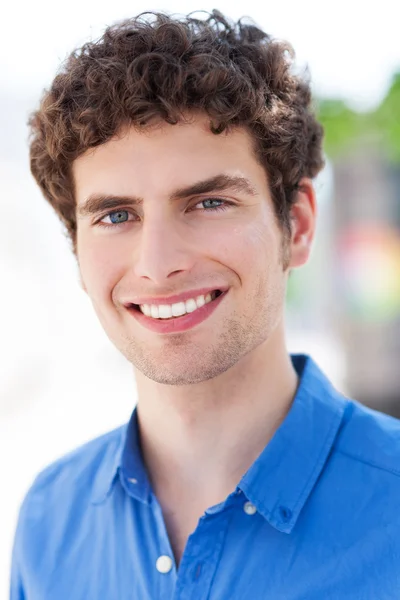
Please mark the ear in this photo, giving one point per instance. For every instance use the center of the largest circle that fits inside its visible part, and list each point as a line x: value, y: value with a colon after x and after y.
x: 303, y: 221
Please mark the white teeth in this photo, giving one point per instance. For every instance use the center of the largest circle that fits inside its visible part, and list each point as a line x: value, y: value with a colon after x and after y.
x: 177, y: 309
x: 145, y: 308
x: 200, y: 301
x: 191, y: 305
x: 166, y: 311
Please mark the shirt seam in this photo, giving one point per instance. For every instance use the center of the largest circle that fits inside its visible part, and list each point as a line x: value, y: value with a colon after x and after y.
x: 321, y: 460
x: 317, y: 467
x: 369, y: 462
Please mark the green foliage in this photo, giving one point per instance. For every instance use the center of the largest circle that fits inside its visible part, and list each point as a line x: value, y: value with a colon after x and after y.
x: 387, y: 119
x: 346, y: 129
x: 342, y: 126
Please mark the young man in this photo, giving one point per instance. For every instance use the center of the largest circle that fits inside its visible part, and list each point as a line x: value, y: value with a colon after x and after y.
x: 180, y: 156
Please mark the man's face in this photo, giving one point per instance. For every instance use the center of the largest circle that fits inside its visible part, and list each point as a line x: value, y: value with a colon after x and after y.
x: 169, y: 243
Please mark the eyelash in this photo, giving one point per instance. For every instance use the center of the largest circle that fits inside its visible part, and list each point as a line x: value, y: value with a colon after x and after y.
x: 212, y: 209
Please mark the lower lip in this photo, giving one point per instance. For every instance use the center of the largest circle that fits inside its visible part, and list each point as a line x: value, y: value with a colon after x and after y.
x: 178, y: 324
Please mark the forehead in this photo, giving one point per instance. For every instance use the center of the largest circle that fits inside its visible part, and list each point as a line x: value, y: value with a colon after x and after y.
x: 163, y: 156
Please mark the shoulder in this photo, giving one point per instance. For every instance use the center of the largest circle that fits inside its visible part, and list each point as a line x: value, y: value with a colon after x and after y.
x: 75, y: 473
x: 57, y: 501
x: 370, y: 437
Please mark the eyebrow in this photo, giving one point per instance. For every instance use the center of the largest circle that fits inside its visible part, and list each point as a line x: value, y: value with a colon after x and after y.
x: 97, y: 203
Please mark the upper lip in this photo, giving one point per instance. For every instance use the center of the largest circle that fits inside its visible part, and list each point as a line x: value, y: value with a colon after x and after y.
x: 173, y: 299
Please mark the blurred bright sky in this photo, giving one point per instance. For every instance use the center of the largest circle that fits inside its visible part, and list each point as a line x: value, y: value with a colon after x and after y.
x: 352, y: 47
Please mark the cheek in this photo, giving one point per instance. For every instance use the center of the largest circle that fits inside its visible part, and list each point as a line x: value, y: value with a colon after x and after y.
x: 250, y: 245
x: 101, y: 266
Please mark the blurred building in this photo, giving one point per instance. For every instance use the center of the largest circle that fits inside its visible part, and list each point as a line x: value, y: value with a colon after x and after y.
x: 367, y: 273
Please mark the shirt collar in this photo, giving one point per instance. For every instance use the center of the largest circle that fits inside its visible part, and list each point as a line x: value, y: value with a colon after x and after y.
x: 108, y: 468
x: 281, y: 479
x: 127, y: 463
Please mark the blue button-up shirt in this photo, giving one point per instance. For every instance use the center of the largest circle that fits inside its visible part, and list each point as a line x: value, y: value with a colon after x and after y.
x: 316, y: 517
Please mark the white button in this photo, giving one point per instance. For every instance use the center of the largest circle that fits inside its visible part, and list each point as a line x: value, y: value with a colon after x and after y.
x: 249, y: 508
x: 132, y: 480
x: 164, y: 564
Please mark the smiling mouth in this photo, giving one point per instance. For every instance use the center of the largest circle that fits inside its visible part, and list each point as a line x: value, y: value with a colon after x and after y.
x: 214, y: 295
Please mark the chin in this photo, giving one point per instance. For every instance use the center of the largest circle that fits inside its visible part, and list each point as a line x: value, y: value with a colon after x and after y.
x: 183, y: 372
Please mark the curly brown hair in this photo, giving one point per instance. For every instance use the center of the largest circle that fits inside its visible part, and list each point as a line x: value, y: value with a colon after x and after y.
x: 161, y: 66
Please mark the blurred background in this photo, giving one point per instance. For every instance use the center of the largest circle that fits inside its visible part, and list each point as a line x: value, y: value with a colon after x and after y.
x: 61, y: 380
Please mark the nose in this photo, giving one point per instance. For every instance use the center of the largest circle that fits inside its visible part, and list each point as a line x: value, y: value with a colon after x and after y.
x: 162, y: 249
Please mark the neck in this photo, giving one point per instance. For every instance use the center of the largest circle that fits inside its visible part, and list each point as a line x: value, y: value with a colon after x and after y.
x: 201, y: 439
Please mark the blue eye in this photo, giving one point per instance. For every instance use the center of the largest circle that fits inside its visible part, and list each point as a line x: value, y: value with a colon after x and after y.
x: 212, y: 200
x: 223, y: 204
x: 118, y: 216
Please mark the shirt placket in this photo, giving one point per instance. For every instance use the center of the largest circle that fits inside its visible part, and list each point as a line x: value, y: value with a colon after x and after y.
x: 164, y: 562
x: 201, y: 556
